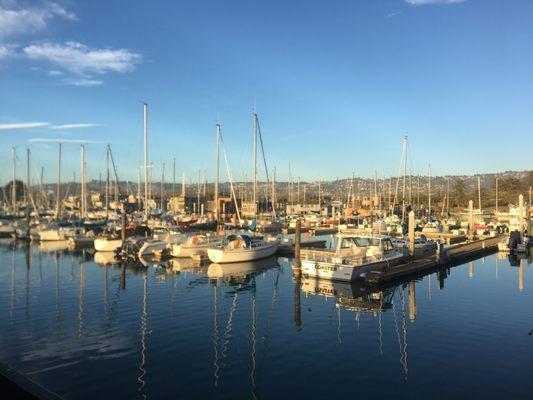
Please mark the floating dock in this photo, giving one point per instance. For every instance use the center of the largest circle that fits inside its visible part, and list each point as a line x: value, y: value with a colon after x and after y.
x: 451, y: 254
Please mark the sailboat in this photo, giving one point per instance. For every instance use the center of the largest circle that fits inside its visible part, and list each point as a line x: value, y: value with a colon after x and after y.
x: 244, y: 247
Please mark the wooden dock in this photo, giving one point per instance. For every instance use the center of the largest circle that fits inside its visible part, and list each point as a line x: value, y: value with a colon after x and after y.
x: 452, y: 254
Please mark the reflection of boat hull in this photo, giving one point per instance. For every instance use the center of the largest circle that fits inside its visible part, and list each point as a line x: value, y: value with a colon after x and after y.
x: 54, y: 245
x: 346, y: 272
x: 104, y: 244
x: 240, y: 269
x: 242, y: 254
x: 105, y: 258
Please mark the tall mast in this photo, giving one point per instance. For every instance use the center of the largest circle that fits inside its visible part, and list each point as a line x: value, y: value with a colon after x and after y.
x: 14, y: 184
x: 183, y: 186
x: 255, y: 164
x: 404, y: 160
x: 319, y: 198
x: 58, y: 200
x: 82, y: 154
x: 145, y: 114
x: 108, y: 182
x: 429, y: 191
x: 217, y: 171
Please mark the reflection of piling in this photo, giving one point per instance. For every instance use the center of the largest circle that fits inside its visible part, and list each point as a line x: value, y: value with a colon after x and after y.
x: 412, y: 301
x: 521, y: 275
x: 297, y: 245
x: 297, y: 273
x: 412, y: 233
x: 297, y: 306
x: 471, y: 269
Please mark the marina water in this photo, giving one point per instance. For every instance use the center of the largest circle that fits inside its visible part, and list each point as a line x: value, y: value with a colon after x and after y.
x: 85, y: 330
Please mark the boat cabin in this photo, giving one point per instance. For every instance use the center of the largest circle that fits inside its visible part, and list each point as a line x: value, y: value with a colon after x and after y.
x: 363, y: 246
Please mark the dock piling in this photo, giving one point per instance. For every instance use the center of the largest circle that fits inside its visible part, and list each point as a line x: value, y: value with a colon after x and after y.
x: 411, y: 234
x: 471, y: 220
x: 297, y: 245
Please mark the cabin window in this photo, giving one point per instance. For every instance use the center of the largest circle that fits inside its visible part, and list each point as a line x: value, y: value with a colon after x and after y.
x: 362, y: 242
x: 387, y: 245
x: 347, y: 243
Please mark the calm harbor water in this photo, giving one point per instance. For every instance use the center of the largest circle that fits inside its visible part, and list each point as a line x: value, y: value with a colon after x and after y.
x: 84, y: 329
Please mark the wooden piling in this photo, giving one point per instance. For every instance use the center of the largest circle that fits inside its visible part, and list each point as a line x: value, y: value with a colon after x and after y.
x: 411, y: 234
x: 297, y: 244
x: 123, y: 231
x: 521, y: 214
x: 471, y: 219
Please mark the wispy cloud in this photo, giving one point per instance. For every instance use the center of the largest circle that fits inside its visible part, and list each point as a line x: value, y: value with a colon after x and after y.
x: 426, y: 2
x: 73, y: 126
x: 6, y: 50
x: 55, y: 73
x: 62, y: 140
x: 16, y: 20
x: 81, y: 59
x: 392, y: 14
x: 82, y: 82
x: 23, y: 125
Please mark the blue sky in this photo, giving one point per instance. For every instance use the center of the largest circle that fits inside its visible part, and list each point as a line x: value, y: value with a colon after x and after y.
x: 336, y: 84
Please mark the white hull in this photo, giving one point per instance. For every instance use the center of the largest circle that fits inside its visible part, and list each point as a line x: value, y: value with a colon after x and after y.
x: 103, y: 244
x: 221, y: 256
x: 51, y: 235
x: 345, y: 272
x: 189, y: 250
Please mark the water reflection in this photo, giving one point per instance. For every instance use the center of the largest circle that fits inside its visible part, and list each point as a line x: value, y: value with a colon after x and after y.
x: 227, y: 330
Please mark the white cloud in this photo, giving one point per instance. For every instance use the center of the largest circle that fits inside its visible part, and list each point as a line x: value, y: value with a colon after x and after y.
x: 81, y: 59
x: 6, y: 50
x: 425, y: 2
x: 55, y: 73
x: 392, y: 14
x: 23, y: 125
x: 73, y: 126
x: 19, y: 20
x: 83, y: 82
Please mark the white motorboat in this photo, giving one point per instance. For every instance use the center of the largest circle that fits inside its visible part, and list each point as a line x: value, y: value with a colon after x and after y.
x: 107, y: 243
x: 162, y: 238
x: 194, y: 245
x: 423, y: 247
x: 354, y: 257
x: 7, y: 230
x: 241, y: 248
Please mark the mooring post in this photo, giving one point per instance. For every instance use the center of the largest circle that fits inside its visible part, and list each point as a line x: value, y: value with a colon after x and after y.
x: 123, y: 277
x: 471, y: 219
x: 123, y: 231
x: 411, y: 233
x: 521, y: 214
x: 297, y: 244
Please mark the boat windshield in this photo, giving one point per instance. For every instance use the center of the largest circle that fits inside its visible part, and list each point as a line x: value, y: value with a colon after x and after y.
x: 359, y: 242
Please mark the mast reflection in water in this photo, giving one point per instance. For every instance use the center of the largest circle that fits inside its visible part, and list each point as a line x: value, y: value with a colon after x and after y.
x: 86, y: 327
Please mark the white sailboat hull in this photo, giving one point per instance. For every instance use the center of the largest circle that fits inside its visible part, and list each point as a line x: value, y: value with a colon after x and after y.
x: 221, y: 256
x: 103, y: 244
x: 189, y: 250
